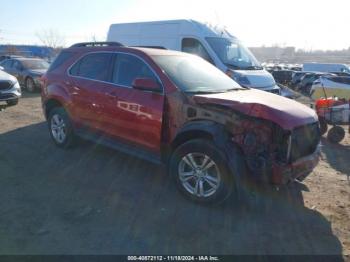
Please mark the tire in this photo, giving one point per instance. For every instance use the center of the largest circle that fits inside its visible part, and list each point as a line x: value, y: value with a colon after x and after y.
x: 30, y: 85
x: 12, y: 102
x: 323, y: 126
x: 336, y: 134
x: 60, y: 128
x: 209, y: 185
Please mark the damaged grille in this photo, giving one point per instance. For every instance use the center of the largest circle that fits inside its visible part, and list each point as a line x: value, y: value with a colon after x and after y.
x: 5, y: 85
x: 281, y: 139
x: 305, y: 140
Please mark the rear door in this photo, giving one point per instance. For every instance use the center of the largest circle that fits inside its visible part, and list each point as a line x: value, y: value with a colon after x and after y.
x: 17, y: 71
x: 134, y: 116
x: 88, y: 78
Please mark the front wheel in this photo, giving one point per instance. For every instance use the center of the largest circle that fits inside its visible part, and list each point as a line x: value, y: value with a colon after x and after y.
x: 200, y: 171
x: 336, y: 134
x: 60, y: 127
x: 323, y: 125
x: 30, y: 85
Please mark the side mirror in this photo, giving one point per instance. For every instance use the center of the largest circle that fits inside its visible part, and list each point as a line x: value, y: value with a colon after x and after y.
x: 146, y: 84
x: 1, y: 68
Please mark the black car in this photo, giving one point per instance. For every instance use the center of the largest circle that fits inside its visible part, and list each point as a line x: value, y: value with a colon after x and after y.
x: 27, y: 70
x: 283, y: 76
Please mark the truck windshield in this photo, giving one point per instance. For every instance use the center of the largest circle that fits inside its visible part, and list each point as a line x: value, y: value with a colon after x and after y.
x: 233, y: 54
x: 193, y: 74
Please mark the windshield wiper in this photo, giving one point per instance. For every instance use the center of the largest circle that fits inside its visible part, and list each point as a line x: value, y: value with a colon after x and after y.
x: 233, y: 66
x: 253, y: 68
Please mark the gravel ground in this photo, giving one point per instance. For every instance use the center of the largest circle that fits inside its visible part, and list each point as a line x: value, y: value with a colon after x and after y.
x: 93, y: 200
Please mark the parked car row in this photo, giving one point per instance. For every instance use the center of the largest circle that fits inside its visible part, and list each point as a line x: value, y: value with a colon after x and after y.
x: 331, y: 86
x: 312, y: 83
x: 28, y: 71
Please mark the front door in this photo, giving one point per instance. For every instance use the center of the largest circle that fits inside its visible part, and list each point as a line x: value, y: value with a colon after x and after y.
x: 135, y: 116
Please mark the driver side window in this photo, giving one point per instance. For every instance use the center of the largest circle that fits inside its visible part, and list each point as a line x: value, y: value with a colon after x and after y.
x: 193, y: 46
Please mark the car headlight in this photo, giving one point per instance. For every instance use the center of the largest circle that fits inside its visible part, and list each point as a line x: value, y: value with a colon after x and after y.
x: 16, y: 86
x: 242, y: 80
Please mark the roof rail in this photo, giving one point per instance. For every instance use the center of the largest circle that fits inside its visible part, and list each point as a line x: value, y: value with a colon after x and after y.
x: 150, y: 46
x: 93, y: 44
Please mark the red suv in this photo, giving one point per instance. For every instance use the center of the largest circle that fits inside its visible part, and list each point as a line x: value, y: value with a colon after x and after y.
x: 177, y: 109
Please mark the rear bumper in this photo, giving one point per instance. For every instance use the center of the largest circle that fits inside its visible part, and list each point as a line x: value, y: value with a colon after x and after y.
x: 283, y: 174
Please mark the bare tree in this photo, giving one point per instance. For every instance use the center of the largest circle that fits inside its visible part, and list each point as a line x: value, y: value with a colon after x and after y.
x: 51, y: 38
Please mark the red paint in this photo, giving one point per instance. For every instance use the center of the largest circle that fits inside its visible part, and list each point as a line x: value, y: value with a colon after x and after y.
x: 283, y: 111
x: 153, y: 119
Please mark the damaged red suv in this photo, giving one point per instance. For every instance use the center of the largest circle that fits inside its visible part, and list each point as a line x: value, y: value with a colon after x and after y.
x: 176, y: 109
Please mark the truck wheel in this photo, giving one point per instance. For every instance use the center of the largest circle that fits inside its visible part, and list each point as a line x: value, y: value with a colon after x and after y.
x: 323, y: 126
x: 200, y: 171
x: 336, y: 134
x: 60, y: 128
x: 30, y: 85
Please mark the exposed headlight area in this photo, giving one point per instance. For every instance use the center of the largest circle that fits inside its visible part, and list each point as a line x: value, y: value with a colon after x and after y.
x: 241, y: 79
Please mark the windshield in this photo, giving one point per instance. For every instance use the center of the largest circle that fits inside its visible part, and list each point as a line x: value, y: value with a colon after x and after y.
x: 193, y: 74
x: 233, y: 54
x: 35, y: 64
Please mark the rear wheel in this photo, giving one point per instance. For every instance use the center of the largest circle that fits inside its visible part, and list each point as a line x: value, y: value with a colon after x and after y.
x: 30, y: 85
x: 200, y: 171
x: 60, y: 127
x: 323, y: 125
x: 336, y: 134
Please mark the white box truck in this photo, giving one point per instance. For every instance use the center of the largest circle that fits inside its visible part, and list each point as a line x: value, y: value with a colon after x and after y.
x: 326, y: 67
x: 212, y: 43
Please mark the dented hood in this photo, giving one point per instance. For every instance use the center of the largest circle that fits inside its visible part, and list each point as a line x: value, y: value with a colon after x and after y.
x: 286, y: 113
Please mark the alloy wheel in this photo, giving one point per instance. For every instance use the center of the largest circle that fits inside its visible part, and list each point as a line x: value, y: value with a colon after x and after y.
x: 58, y: 128
x: 199, y: 175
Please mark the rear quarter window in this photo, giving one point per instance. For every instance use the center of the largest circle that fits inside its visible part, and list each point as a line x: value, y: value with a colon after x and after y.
x: 95, y: 66
x: 60, y: 59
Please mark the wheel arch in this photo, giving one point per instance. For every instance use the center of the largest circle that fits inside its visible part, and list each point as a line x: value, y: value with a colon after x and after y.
x: 213, y: 131
x: 50, y: 104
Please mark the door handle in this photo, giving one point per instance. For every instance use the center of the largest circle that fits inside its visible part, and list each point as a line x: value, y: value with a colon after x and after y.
x: 112, y: 95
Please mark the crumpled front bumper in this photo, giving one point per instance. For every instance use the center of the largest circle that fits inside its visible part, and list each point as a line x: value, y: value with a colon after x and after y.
x: 300, y: 169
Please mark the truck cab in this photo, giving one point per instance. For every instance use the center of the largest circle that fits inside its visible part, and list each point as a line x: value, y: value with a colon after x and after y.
x: 213, y: 43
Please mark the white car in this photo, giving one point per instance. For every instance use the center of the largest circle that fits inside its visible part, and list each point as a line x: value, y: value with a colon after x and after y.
x: 329, y: 86
x: 10, y: 91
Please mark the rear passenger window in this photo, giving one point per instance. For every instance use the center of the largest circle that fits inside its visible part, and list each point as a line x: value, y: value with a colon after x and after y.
x: 94, y: 66
x: 128, y: 67
x: 60, y: 59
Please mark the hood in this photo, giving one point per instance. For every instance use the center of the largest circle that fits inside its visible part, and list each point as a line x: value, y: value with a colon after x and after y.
x: 6, y: 77
x: 38, y: 72
x: 285, y: 112
x: 257, y: 78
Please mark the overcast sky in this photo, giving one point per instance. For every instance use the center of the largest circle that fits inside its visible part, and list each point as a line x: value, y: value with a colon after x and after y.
x: 307, y: 24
